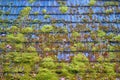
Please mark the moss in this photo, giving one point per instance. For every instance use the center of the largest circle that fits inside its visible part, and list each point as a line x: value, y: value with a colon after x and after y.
x: 1, y: 12
x: 17, y: 38
x: 31, y: 49
x: 7, y: 13
x: 109, y: 11
x: 36, y: 13
x: 47, y: 49
x: 111, y: 3
x: 47, y: 28
x: 36, y: 21
x: 25, y: 11
x: 92, y: 2
x: 46, y: 74
x: 75, y: 34
x: 117, y: 38
x: 47, y: 16
x: 48, y: 62
x: 31, y: 1
x: 44, y: 11
x: 27, y: 30
x: 63, y: 9
x: 101, y: 33
x: 13, y: 28
x: 18, y: 46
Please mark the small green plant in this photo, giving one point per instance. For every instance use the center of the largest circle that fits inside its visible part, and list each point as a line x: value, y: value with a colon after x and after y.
x: 109, y: 11
x: 65, y: 29
x: 18, y: 46
x: 36, y: 21
x: 92, y: 2
x: 7, y: 13
x: 44, y: 11
x: 48, y: 62
x: 31, y: 1
x: 36, y: 13
x: 47, y: 16
x: 47, y: 28
x: 73, y: 48
x: 117, y: 38
x: 75, y: 34
x: 111, y: 3
x: 46, y: 74
x: 25, y: 11
x: 1, y: 12
x: 31, y: 49
x: 17, y: 38
x: 101, y: 33
x: 79, y: 63
x: 13, y: 29
x: 27, y: 30
x: 80, y: 58
x: 63, y: 9
x: 94, y: 49
x: 47, y: 49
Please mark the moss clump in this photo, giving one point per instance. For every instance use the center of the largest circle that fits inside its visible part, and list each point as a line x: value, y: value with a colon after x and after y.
x: 47, y: 16
x: 92, y: 2
x: 46, y: 74
x: 36, y: 13
x: 17, y: 38
x: 44, y: 11
x: 1, y: 12
x: 101, y: 33
x: 7, y: 13
x: 27, y: 30
x: 111, y: 3
x: 109, y: 11
x: 13, y: 29
x: 31, y: 1
x: 25, y: 11
x: 47, y: 28
x: 63, y: 9
x: 117, y: 38
x: 75, y: 34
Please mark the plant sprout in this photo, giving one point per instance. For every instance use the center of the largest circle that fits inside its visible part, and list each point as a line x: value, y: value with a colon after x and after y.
x: 31, y: 1
x: 101, y: 33
x: 63, y: 9
x: 78, y: 62
x: 48, y: 63
x: 44, y: 11
x: 75, y: 34
x: 1, y: 12
x: 92, y: 2
x: 117, y: 38
x: 19, y: 46
x: 17, y: 38
x: 111, y: 3
x: 47, y: 16
x: 31, y: 49
x: 27, y: 30
x: 25, y: 11
x: 7, y: 13
x: 46, y: 74
x: 36, y: 13
x: 47, y: 49
x: 109, y: 11
x: 13, y: 28
x: 65, y: 29
x: 47, y: 28
x: 73, y: 48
